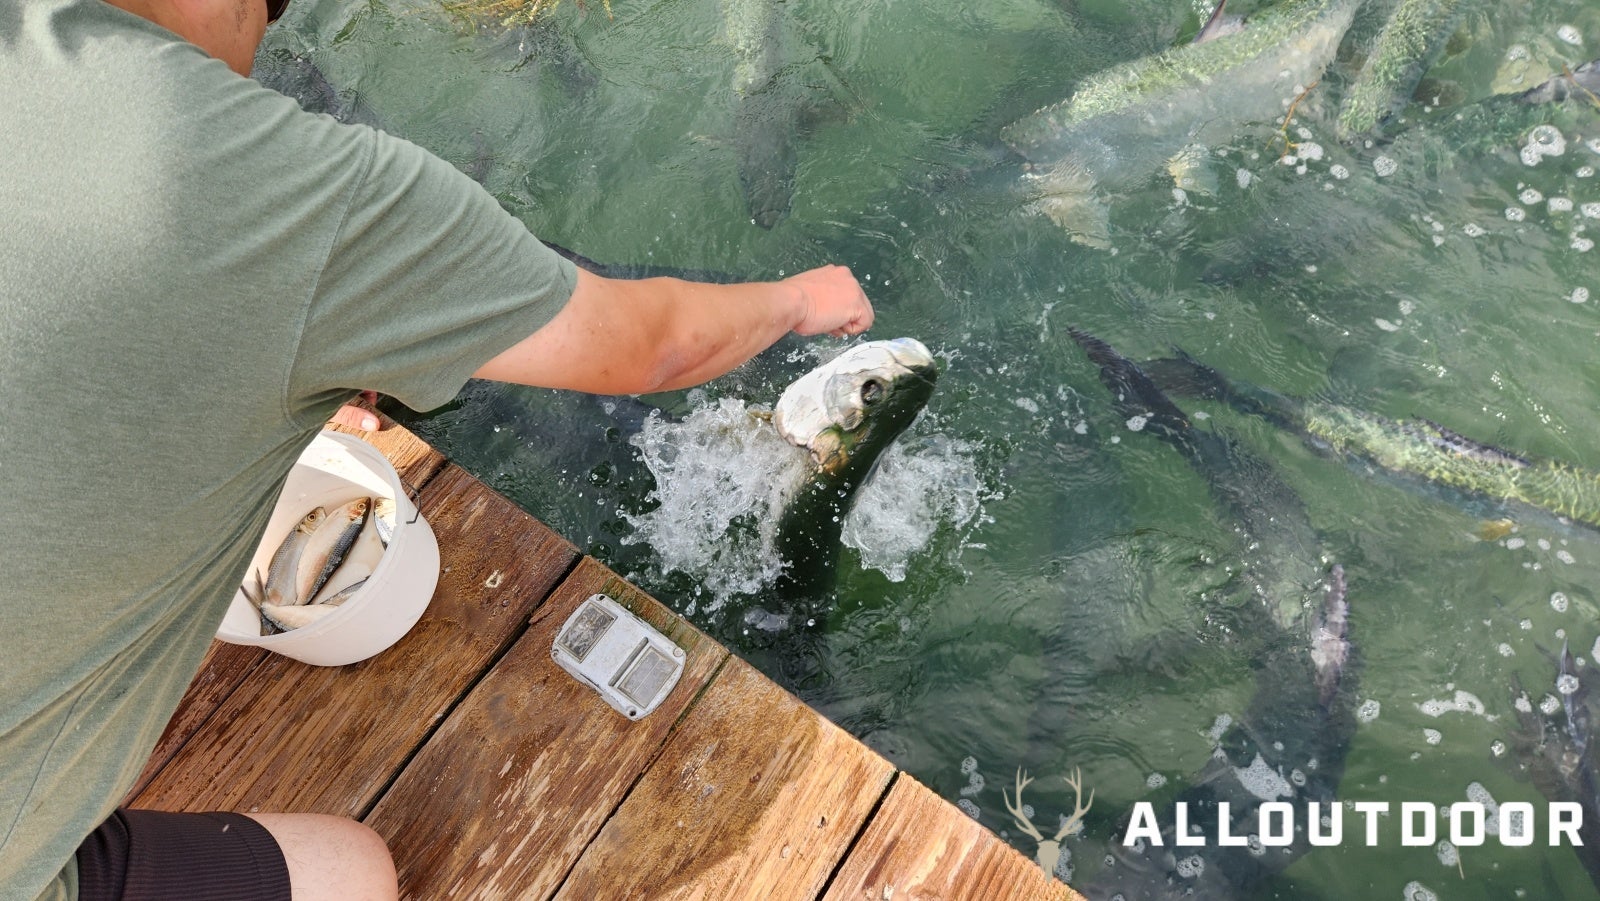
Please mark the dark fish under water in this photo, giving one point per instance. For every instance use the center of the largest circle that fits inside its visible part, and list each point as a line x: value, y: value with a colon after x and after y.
x: 1556, y: 751
x: 1415, y: 448
x: 1291, y: 743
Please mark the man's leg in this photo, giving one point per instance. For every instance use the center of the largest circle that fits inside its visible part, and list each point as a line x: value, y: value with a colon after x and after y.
x: 332, y: 858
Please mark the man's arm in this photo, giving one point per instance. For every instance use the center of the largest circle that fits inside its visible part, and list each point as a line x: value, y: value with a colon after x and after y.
x: 618, y: 336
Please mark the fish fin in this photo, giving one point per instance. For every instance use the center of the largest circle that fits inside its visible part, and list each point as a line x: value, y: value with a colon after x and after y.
x: 1494, y: 529
x: 1218, y: 24
x: 1191, y: 170
x: 1065, y: 195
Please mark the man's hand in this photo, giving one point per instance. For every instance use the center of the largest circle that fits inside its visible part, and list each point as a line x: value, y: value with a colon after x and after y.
x: 356, y: 417
x: 834, y: 302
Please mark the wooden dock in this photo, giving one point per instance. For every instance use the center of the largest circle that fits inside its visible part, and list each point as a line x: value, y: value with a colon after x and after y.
x: 494, y: 774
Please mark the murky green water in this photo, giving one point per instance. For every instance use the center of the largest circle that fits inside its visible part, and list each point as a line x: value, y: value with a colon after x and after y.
x: 1029, y: 593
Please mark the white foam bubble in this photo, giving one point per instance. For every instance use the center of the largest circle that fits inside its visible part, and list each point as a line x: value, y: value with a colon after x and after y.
x: 1137, y: 423
x: 1585, y: 172
x: 1515, y: 543
x: 1525, y: 625
x: 1243, y: 177
x: 1570, y: 35
x: 1261, y: 780
x: 1386, y: 325
x: 1448, y: 855
x: 1582, y: 245
x: 1219, y: 726
x: 1028, y: 404
x: 1506, y: 651
x: 1543, y: 141
x: 1531, y: 196
x: 1463, y: 702
x: 968, y: 807
x: 1595, y: 651
x: 1497, y: 748
x: 1558, y: 601
x: 1155, y: 780
x: 1567, y: 683
x: 1559, y: 204
x: 1385, y: 166
x: 1191, y: 866
x: 1368, y: 711
x: 1548, y: 705
x: 1473, y: 230
x: 969, y: 765
x: 1515, y: 214
x: 1579, y: 294
x: 1310, y: 150
x: 1523, y: 704
x: 1339, y: 172
x: 1416, y: 891
x: 1590, y: 210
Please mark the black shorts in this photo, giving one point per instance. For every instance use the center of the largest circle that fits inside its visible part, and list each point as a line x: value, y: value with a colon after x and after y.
x: 153, y: 854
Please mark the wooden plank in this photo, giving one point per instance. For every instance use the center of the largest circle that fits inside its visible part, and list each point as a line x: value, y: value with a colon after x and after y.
x: 226, y: 666
x: 295, y: 737
x: 754, y: 796
x: 507, y: 793
x: 224, y: 669
x: 921, y: 848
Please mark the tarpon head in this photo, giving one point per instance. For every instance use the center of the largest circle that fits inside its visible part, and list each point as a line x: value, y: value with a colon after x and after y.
x: 846, y: 411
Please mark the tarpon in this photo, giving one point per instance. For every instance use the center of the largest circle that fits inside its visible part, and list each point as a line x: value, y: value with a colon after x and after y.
x: 1124, y: 123
x: 1291, y: 743
x: 845, y: 414
x: 1554, y: 747
x: 1410, y: 43
x: 773, y: 102
x: 1411, y: 447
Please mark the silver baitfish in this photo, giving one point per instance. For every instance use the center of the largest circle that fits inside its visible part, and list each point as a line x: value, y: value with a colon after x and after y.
x: 321, y: 563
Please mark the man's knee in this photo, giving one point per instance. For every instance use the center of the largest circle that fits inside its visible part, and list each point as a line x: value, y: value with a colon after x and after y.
x: 332, y: 857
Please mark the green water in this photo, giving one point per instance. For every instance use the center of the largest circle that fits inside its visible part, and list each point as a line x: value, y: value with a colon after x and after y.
x: 1036, y: 614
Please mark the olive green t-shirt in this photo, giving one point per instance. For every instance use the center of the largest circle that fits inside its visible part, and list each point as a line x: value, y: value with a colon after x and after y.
x: 194, y: 274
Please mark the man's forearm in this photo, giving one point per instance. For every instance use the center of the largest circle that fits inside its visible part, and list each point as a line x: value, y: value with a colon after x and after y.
x: 634, y: 337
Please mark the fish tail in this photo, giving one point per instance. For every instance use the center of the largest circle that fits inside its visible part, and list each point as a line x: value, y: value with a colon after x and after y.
x: 1330, y: 641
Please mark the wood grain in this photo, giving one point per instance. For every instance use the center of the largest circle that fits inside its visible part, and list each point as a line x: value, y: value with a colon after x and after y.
x: 512, y: 787
x: 755, y: 796
x: 295, y: 737
x: 921, y: 848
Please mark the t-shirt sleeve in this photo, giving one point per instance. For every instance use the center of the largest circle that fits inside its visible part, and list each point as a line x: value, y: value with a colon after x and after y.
x: 427, y: 279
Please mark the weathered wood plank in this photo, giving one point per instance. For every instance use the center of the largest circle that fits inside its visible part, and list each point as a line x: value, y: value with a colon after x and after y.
x: 226, y: 666
x: 921, y: 848
x: 224, y: 669
x: 328, y: 739
x: 509, y: 791
x: 755, y: 796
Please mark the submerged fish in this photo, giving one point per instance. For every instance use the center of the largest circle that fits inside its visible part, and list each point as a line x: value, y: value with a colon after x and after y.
x: 844, y: 413
x: 774, y: 102
x: 1291, y: 743
x: 1412, y: 447
x: 1126, y: 122
x: 1410, y: 43
x: 1554, y: 747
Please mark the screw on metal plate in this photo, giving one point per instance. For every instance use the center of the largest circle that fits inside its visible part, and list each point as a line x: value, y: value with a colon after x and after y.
x: 605, y: 646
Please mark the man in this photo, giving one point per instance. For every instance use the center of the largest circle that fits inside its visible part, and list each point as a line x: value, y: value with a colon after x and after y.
x: 194, y: 274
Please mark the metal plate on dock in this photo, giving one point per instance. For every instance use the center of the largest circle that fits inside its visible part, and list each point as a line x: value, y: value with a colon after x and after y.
x: 623, y: 658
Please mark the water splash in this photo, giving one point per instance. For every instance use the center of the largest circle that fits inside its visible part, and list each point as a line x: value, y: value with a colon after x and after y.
x: 723, y: 477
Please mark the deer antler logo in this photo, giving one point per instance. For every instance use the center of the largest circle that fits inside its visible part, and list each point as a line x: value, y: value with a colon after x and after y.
x: 1049, y: 853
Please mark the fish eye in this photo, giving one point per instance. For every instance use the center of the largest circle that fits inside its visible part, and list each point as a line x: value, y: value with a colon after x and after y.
x: 871, y: 391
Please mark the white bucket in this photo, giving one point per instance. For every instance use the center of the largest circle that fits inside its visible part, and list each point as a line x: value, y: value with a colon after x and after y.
x: 334, y: 470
